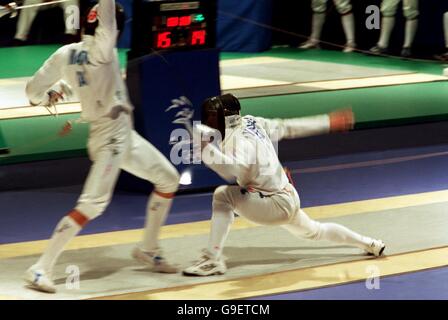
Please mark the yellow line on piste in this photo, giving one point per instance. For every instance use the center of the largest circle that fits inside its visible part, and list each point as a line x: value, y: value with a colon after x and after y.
x: 203, y: 227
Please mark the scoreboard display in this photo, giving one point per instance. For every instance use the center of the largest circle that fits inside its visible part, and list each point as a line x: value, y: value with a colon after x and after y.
x: 173, y: 25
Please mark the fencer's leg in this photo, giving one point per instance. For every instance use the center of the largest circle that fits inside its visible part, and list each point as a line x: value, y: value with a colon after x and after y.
x: 411, y: 12
x: 69, y: 16
x: 106, y: 149
x: 96, y: 196
x: 39, y: 276
x: 445, y: 25
x: 348, y: 22
x: 388, y: 10
x: 222, y: 219
x: 211, y: 262
x: 344, y: 8
x: 26, y: 19
x: 444, y: 56
x: 303, y: 226
x: 319, y: 15
x: 387, y: 25
x: 146, y: 162
x: 410, y: 31
x: 318, y: 25
x: 264, y: 210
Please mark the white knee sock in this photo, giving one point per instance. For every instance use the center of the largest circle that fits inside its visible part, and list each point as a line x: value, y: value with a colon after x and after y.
x: 318, y: 25
x: 340, y: 234
x: 387, y: 26
x: 157, y: 211
x: 348, y: 22
x: 221, y: 223
x: 66, y: 230
x: 305, y: 227
x: 411, y: 30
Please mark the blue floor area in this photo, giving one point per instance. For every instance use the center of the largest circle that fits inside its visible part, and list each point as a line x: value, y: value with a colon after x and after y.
x: 346, y: 185
x: 423, y: 285
x: 32, y: 214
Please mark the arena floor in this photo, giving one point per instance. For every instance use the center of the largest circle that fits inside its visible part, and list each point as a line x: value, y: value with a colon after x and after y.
x: 385, y: 199
x: 397, y: 195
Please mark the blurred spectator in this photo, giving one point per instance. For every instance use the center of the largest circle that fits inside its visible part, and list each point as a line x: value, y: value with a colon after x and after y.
x: 28, y: 15
x: 411, y: 13
x: 319, y: 7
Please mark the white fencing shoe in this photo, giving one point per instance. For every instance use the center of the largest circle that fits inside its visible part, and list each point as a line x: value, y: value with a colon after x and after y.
x: 154, y: 260
x: 310, y: 44
x: 39, y: 280
x: 349, y: 48
x: 376, y: 248
x: 206, y: 266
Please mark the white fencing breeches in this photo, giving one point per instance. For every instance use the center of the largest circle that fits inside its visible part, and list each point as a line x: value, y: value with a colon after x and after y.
x: 343, y: 6
x: 113, y: 145
x: 410, y: 8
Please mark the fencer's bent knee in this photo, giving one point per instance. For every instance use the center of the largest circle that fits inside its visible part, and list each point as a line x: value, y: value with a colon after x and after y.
x: 169, y: 180
x: 220, y: 193
x: 343, y: 6
x: 220, y: 196
x: 389, y: 8
x: 411, y: 14
x: 319, y: 6
x: 92, y: 209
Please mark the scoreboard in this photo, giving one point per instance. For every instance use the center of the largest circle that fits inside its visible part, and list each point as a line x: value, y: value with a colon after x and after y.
x: 173, y: 25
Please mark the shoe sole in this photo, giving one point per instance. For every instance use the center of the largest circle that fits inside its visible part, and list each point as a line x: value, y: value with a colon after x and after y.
x: 151, y: 267
x: 381, y: 251
x: 217, y: 273
x: 31, y: 285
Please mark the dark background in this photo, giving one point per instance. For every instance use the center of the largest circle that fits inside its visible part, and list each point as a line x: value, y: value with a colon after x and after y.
x: 293, y: 16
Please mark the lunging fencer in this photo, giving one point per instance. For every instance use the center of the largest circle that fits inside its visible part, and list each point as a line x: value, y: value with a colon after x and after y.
x: 389, y: 10
x: 344, y: 8
x: 263, y: 194
x: 92, y: 69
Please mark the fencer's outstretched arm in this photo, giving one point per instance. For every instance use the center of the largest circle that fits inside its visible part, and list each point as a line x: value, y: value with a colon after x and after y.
x: 278, y: 129
x: 45, y: 78
x: 106, y: 33
x: 229, y: 167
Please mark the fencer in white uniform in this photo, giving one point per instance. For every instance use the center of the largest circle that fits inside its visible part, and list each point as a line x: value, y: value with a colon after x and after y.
x: 28, y: 15
x: 92, y: 69
x: 263, y: 193
x: 389, y: 10
x: 344, y: 8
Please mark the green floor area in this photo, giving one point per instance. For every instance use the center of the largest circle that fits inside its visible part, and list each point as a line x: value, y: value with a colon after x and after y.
x: 36, y: 138
x: 40, y: 140
x: 373, y: 107
x: 3, y: 145
x: 29, y: 59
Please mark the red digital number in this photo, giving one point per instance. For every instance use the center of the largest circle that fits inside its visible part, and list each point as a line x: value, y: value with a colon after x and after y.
x: 198, y: 37
x: 172, y: 22
x: 164, y: 40
x: 185, y: 21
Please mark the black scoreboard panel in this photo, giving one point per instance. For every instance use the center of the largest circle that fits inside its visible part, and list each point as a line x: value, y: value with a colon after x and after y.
x: 173, y: 25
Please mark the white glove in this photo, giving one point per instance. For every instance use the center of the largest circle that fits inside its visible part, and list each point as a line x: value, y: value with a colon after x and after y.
x: 54, y: 96
x: 61, y: 92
